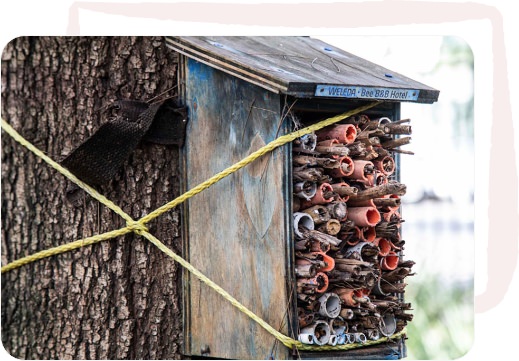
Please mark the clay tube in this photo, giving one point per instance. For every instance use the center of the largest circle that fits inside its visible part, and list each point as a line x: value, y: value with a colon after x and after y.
x: 346, y: 168
x: 389, y: 262
x: 344, y: 133
x: 363, y: 171
x: 322, y: 196
x: 364, y: 216
x: 386, y: 165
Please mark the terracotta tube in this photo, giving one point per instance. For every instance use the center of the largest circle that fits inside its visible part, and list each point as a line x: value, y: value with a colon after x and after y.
x: 319, y: 282
x: 392, y: 216
x: 345, y: 169
x: 302, y: 220
x: 393, y: 247
x: 361, y: 172
x: 330, y: 262
x: 351, y: 236
x: 364, y: 216
x: 386, y: 165
x: 389, y: 262
x: 384, y: 245
x: 352, y: 239
x: 381, y: 178
x: 346, y: 296
x: 320, y: 196
x: 369, y: 234
x: 322, y: 282
x: 330, y: 305
x: 344, y: 133
x: 305, y: 190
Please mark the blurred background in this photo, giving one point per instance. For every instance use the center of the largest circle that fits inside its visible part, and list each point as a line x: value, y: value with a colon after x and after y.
x: 438, y: 208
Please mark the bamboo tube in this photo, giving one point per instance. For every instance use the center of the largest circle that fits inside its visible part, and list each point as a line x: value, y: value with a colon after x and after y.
x: 380, y: 191
x: 387, y: 202
x: 396, y: 142
x: 303, y: 160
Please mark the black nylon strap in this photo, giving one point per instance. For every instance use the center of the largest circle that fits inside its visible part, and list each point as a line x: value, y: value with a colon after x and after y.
x: 97, y: 160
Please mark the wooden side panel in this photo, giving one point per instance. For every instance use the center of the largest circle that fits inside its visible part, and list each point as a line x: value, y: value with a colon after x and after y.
x: 236, y: 228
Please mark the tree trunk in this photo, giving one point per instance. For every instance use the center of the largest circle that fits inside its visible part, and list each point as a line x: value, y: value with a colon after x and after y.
x: 118, y: 299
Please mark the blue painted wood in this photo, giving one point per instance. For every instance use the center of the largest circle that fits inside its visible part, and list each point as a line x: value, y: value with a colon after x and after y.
x: 236, y: 228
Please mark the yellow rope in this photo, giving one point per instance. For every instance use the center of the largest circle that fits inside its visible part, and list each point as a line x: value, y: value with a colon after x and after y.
x: 252, y: 157
x: 139, y: 227
x: 65, y: 248
x: 16, y: 136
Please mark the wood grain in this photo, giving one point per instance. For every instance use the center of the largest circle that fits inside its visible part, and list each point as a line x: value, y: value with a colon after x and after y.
x: 236, y: 228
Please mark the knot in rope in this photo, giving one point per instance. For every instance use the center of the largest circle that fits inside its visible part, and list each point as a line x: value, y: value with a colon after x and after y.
x: 137, y: 227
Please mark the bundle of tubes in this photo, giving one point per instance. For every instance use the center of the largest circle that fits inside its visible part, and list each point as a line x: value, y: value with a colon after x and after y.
x: 349, y: 262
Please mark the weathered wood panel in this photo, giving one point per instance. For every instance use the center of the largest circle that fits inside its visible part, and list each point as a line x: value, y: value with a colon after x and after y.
x: 236, y: 228
x: 294, y: 65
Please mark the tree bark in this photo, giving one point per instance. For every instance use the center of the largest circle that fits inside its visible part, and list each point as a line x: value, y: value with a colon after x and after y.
x: 118, y: 299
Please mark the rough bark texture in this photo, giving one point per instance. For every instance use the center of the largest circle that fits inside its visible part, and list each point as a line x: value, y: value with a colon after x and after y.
x: 118, y: 299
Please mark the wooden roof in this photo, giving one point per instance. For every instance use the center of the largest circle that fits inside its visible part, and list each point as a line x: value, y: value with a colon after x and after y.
x: 303, y: 67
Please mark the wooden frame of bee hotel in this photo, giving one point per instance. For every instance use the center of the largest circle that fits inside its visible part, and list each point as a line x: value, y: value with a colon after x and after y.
x: 308, y: 236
